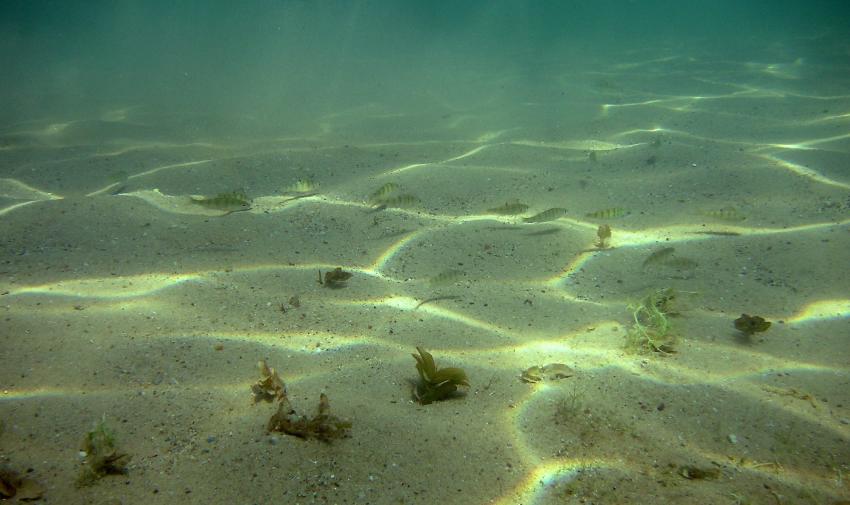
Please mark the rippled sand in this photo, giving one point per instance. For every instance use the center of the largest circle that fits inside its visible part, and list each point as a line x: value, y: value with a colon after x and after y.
x: 120, y: 297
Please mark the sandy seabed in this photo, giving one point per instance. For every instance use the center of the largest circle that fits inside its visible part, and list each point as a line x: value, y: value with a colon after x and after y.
x: 123, y: 300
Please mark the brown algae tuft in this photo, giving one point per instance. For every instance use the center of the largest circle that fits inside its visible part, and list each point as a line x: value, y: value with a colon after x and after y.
x: 435, y: 384
x: 750, y: 325
x: 323, y: 426
x: 102, y: 457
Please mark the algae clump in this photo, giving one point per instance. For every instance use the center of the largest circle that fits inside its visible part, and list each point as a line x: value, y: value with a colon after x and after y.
x: 750, y: 325
x: 436, y: 384
x: 650, y: 331
x: 323, y: 426
x: 102, y: 457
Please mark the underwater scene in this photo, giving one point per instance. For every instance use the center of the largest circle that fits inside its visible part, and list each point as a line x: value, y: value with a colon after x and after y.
x: 425, y: 252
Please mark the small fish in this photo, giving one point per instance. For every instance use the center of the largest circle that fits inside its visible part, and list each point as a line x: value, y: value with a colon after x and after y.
x: 117, y: 189
x: 445, y: 278
x: 611, y: 213
x: 680, y: 263
x: 728, y: 213
x: 228, y: 202
x: 717, y: 233
x: 665, y: 262
x: 658, y: 256
x: 510, y: 208
x: 301, y: 186
x: 436, y: 299
x: 547, y: 215
x: 384, y: 192
x: 402, y: 200
x: 298, y: 197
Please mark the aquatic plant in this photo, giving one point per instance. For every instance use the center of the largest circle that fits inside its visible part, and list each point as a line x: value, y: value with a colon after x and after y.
x: 335, y: 278
x: 568, y: 408
x: 650, y: 331
x: 603, y: 233
x: 102, y: 457
x: 435, y: 384
x: 750, y: 325
x: 323, y: 426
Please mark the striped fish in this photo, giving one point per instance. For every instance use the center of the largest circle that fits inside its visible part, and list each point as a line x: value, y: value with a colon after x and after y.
x: 227, y: 202
x: 681, y: 263
x: 445, y: 278
x: 658, y: 256
x: 510, y: 208
x: 728, y: 213
x: 384, y: 192
x: 611, y: 213
x: 402, y: 200
x: 301, y: 186
x: 547, y: 215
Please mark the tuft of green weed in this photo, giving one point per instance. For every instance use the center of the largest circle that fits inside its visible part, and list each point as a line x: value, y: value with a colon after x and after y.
x: 650, y: 331
x: 102, y: 456
x: 568, y: 408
